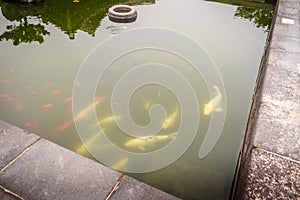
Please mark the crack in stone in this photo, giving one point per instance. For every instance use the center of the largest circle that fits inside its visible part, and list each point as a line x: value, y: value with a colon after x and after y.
x: 11, y: 193
x: 116, y: 187
x: 18, y: 156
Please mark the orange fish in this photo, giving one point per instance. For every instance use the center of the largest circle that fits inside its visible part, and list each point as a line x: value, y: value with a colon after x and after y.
x: 29, y: 124
x: 48, y: 85
x: 65, y: 125
x: 57, y: 91
x: 6, y: 82
x: 18, y: 106
x: 6, y: 98
x: 46, y: 107
x: 67, y: 100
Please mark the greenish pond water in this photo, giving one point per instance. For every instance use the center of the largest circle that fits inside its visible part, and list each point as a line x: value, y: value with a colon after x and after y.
x: 44, y: 46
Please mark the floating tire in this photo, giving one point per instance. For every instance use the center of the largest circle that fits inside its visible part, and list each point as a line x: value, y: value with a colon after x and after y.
x: 122, y: 13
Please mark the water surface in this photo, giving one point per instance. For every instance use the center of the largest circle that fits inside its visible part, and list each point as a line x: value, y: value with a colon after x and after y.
x: 43, y: 46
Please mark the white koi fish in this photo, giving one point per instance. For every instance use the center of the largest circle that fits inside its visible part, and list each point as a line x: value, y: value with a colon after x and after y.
x: 171, y: 119
x: 214, y: 105
x: 143, y: 142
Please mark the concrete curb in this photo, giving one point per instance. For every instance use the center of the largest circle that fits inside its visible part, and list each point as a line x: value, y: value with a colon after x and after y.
x: 270, y: 167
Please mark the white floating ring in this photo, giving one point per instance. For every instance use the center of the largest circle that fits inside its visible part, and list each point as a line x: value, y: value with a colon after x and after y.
x: 122, y: 13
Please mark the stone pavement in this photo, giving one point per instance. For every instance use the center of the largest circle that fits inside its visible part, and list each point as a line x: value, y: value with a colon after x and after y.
x: 271, y: 165
x: 34, y: 168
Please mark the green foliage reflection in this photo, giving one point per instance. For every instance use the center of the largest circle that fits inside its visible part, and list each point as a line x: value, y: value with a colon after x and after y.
x: 259, y: 13
x: 261, y: 18
x: 24, y: 32
x: 68, y: 15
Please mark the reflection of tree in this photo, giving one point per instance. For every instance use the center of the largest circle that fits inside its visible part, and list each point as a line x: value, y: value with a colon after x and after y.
x: 24, y: 32
x: 260, y: 17
x: 68, y: 16
x: 260, y: 14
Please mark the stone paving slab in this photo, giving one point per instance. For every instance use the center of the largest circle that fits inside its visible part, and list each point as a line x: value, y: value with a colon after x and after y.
x: 48, y: 171
x: 284, y: 60
x: 277, y: 128
x: 13, y: 141
x: 270, y: 176
x: 131, y: 189
x: 286, y: 43
x: 286, y: 9
x: 287, y: 30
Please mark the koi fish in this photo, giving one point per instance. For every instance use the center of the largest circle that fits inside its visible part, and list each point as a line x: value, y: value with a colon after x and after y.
x: 67, y: 100
x: 29, y: 124
x: 18, y: 106
x: 6, y: 82
x: 46, y: 107
x: 65, y: 125
x: 214, y: 105
x: 82, y: 150
x: 143, y: 142
x: 48, y: 85
x: 85, y: 112
x: 56, y: 92
x: 120, y: 165
x: 6, y: 98
x: 171, y: 119
x: 109, y: 120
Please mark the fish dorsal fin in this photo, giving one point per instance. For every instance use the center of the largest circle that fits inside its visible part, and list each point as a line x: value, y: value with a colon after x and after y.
x: 216, y: 90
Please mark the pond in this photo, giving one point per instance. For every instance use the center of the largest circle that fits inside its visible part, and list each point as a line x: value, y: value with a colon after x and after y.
x: 164, y: 99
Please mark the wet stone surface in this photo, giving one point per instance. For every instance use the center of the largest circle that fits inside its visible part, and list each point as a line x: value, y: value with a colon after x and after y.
x: 48, y: 171
x: 131, y: 189
x: 13, y: 141
x: 270, y: 176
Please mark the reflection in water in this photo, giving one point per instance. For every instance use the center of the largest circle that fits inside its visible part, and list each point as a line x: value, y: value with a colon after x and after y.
x: 258, y: 13
x: 67, y: 15
x: 24, y: 32
x: 261, y: 18
x: 36, y: 91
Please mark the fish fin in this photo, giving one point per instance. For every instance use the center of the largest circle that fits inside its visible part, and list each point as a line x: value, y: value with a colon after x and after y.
x: 216, y: 90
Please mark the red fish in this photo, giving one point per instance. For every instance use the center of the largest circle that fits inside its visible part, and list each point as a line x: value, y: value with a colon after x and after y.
x: 29, y: 125
x: 6, y: 82
x: 57, y: 91
x: 65, y: 125
x: 98, y: 98
x: 32, y: 92
x: 18, y: 106
x: 67, y: 100
x: 6, y: 98
x: 48, y: 85
x: 46, y: 107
